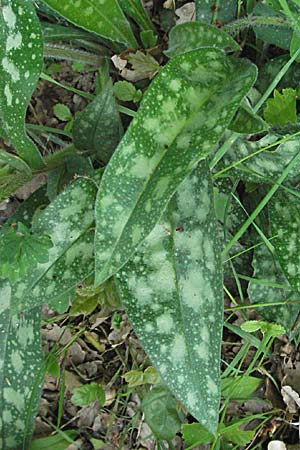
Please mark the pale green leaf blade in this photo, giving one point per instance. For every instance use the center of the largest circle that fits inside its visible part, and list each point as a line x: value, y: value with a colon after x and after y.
x: 210, y: 11
x: 104, y: 18
x: 21, y: 53
x: 97, y: 129
x: 67, y: 221
x: 14, y: 161
x: 172, y: 292
x: 86, y: 394
x: 285, y: 223
x: 173, y: 130
x: 135, y: 9
x: 267, y: 270
x: 20, y: 362
x: 192, y: 35
x: 247, y: 122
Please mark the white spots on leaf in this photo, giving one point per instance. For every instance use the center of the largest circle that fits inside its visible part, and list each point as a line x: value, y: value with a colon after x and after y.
x: 212, y: 387
x: 9, y: 16
x: 11, y: 69
x: 5, y: 295
x: 14, y: 41
x: 8, y: 95
x: 178, y: 351
x: 164, y: 323
x: 202, y: 351
x: 175, y: 85
x: 16, y: 360
x: 14, y: 398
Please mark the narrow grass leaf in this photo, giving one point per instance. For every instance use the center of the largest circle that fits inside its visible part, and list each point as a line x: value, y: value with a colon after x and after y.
x: 173, y: 130
x: 105, y: 19
x: 21, y: 53
x: 172, y: 292
x: 20, y: 361
x: 98, y: 129
x: 192, y: 35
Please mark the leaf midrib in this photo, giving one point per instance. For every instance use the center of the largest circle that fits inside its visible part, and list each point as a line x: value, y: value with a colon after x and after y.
x: 212, y: 93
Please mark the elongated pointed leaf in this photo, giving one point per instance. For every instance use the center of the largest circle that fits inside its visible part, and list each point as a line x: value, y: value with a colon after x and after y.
x: 192, y: 35
x: 14, y: 161
x: 104, y: 18
x: 97, y: 129
x: 135, y: 9
x: 68, y: 221
x: 183, y: 115
x: 20, y: 362
x: 172, y: 292
x: 268, y: 271
x: 210, y: 10
x: 285, y: 222
x: 21, y: 53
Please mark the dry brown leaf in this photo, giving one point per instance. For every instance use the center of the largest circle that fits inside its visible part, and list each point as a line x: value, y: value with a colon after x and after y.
x: 291, y: 398
x: 187, y: 13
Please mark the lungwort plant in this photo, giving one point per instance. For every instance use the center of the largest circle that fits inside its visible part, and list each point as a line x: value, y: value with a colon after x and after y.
x: 203, y: 181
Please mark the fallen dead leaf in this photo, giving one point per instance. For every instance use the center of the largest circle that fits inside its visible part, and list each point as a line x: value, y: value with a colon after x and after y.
x: 291, y: 398
x: 276, y: 445
x: 187, y: 13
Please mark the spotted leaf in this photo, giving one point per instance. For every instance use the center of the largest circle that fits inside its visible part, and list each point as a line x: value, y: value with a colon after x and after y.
x: 173, y: 130
x: 285, y: 222
x: 262, y: 289
x: 21, y: 54
x: 135, y: 9
x: 210, y: 10
x: 103, y: 17
x: 20, y: 362
x: 172, y: 292
x: 68, y: 221
x: 192, y: 35
x: 98, y: 128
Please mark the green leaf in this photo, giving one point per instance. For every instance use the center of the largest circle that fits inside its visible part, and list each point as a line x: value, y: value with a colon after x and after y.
x: 135, y: 9
x: 173, y: 287
x: 59, y: 441
x: 268, y: 328
x: 148, y: 38
x: 173, y: 130
x: 139, y: 378
x: 97, y: 129
x: 196, y: 434
x: 107, y: 20
x: 209, y: 10
x: 285, y: 223
x: 52, y: 366
x: 295, y: 43
x: 20, y: 251
x: 68, y: 221
x: 268, y: 270
x: 84, y: 305
x: 143, y: 65
x: 20, y: 362
x: 21, y: 52
x: 240, y: 387
x: 233, y: 433
x: 15, y: 162
x: 62, y: 112
x: 247, y: 122
x: 84, y: 395
x: 127, y: 92
x: 192, y: 35
x: 281, y: 109
x: 10, y: 181
x: 159, y: 408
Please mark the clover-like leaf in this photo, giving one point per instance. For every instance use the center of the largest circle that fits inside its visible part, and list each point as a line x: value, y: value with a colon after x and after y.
x: 281, y: 109
x: 86, y: 394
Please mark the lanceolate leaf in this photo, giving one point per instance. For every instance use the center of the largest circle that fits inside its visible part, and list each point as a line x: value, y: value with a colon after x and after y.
x: 173, y: 130
x: 20, y: 362
x: 192, y: 35
x: 268, y: 271
x: 104, y: 18
x: 172, y: 292
x: 210, y: 10
x: 68, y: 221
x: 14, y: 161
x: 285, y: 222
x: 135, y: 9
x: 98, y: 128
x: 21, y: 55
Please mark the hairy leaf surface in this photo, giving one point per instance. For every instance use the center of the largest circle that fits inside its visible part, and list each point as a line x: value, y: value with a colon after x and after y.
x: 192, y: 35
x: 172, y: 292
x: 98, y: 128
x: 20, y: 362
x: 173, y: 130
x: 21, y: 53
x: 104, y: 18
x: 68, y: 221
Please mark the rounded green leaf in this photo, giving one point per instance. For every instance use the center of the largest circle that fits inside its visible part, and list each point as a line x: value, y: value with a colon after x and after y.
x: 84, y: 395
